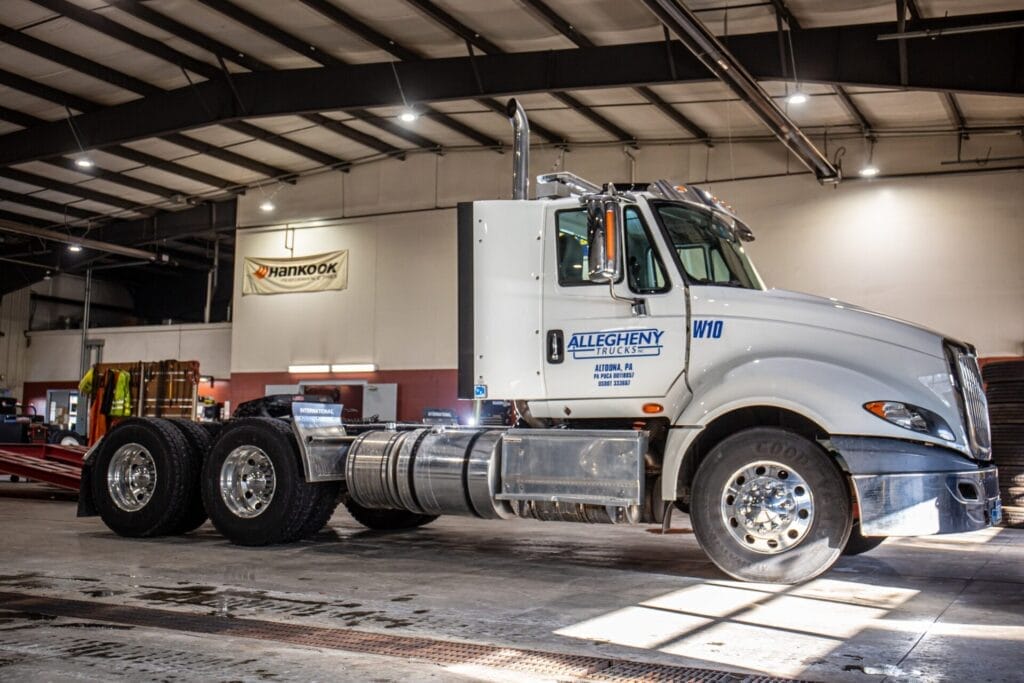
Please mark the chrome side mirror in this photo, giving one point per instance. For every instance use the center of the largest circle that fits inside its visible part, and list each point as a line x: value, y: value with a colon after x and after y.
x: 604, y: 216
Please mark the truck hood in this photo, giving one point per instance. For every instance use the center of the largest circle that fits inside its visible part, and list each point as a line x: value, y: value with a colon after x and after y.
x: 806, y: 309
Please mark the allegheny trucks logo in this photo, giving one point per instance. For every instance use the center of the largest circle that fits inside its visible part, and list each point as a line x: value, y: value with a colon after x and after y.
x: 316, y: 273
x: 615, y: 344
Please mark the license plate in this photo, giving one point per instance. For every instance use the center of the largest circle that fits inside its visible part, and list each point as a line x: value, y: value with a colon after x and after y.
x: 995, y: 515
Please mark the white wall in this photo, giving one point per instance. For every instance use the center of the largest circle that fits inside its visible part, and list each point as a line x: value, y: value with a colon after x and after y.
x: 398, y: 310
x: 54, y: 355
x: 14, y: 313
x: 945, y: 251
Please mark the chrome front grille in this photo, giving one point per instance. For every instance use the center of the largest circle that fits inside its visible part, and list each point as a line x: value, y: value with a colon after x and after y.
x: 975, y: 405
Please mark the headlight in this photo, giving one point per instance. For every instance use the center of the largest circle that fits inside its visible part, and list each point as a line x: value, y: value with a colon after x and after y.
x: 911, y: 417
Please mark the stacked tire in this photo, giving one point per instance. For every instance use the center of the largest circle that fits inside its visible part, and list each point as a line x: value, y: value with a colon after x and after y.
x: 1004, y: 386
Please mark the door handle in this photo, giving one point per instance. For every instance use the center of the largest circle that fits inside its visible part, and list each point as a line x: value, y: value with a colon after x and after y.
x: 556, y: 347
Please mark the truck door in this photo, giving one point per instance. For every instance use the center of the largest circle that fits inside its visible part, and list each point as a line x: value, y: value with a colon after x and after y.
x: 598, y: 347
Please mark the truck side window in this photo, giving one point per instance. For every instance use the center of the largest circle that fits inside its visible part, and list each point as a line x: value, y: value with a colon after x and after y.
x: 643, y: 265
x: 571, y: 247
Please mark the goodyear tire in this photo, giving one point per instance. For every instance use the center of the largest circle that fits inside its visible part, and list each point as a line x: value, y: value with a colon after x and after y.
x: 769, y: 505
x: 199, y: 444
x: 859, y: 543
x: 253, y: 484
x: 142, y: 475
x: 386, y: 520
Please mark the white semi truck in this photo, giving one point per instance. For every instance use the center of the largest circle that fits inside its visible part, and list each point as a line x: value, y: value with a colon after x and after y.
x: 651, y: 370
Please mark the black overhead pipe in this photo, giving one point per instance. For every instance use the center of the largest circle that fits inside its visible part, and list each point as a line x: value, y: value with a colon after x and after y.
x: 714, y: 55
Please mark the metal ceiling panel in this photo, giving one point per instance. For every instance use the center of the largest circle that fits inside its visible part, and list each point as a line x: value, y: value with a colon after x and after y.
x: 17, y: 186
x: 323, y: 139
x: 281, y: 124
x: 33, y: 106
x: 990, y: 108
x: 53, y: 218
x: 608, y: 97
x: 186, y: 186
x: 219, y: 136
x: 21, y: 13
x: 406, y: 25
x: 220, y: 27
x: 304, y: 24
x: 505, y: 23
x: 578, y: 128
x: 111, y: 162
x: 904, y: 109
x: 371, y: 130
x: 133, y: 195
x: 221, y: 169
x: 94, y: 45
x: 269, y: 154
x: 54, y: 75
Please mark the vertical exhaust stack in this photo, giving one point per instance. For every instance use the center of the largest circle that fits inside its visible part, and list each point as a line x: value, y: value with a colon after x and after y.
x: 521, y: 152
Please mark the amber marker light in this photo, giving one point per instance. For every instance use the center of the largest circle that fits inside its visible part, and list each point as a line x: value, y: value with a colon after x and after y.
x: 609, y: 235
x: 652, y: 408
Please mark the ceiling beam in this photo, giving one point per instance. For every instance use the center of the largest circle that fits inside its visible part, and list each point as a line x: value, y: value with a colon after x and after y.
x: 28, y: 121
x: 71, y: 189
x: 854, y: 111
x: 474, y: 38
x: 786, y: 14
x: 224, y: 51
x: 572, y: 33
x: 310, y: 51
x: 45, y: 205
x: 85, y: 242
x: 138, y: 86
x: 847, y: 55
x: 393, y: 47
x: 955, y: 113
x: 73, y: 101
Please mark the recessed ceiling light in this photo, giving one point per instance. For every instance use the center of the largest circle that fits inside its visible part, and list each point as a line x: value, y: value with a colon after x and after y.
x: 267, y: 206
x: 869, y: 171
x: 84, y: 162
x: 797, y: 98
x: 75, y: 248
x: 408, y: 116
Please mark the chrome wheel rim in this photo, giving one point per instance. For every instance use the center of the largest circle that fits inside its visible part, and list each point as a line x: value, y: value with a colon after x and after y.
x: 131, y: 477
x: 247, y: 481
x: 767, y: 507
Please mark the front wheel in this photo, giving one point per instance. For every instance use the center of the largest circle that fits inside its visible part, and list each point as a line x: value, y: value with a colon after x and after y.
x: 769, y: 505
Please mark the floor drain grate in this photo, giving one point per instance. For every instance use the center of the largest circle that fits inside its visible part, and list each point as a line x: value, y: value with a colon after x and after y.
x: 441, y: 652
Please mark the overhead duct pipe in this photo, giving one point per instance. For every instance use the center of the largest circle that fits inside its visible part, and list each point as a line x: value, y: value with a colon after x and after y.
x: 714, y: 55
x: 521, y: 151
x: 55, y: 236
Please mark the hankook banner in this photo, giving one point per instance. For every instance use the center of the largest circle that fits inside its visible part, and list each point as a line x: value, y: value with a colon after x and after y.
x: 317, y: 273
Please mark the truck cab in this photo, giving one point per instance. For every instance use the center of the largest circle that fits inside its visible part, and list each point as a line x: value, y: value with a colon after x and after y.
x: 637, y: 307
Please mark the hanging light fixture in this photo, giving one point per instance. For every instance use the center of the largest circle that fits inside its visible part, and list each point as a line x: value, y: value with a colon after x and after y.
x: 408, y: 114
x: 267, y: 206
x: 869, y: 170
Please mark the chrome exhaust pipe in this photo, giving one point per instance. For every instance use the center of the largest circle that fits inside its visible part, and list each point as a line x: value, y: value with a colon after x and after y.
x: 521, y: 151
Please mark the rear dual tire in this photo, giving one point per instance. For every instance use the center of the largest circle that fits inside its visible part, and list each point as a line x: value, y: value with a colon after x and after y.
x: 254, y: 488
x: 145, y: 480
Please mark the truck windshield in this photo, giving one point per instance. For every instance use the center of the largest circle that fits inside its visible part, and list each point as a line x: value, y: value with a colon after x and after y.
x: 706, y: 247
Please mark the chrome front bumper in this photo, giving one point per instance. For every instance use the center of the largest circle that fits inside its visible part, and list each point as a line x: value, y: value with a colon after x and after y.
x: 925, y: 503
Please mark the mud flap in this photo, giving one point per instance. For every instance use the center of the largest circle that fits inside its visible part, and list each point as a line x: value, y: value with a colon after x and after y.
x: 86, y: 505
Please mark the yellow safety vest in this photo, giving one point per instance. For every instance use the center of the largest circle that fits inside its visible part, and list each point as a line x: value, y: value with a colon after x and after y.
x: 121, y: 406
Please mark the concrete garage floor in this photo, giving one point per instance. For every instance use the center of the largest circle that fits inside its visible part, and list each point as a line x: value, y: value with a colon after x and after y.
x: 79, y: 603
